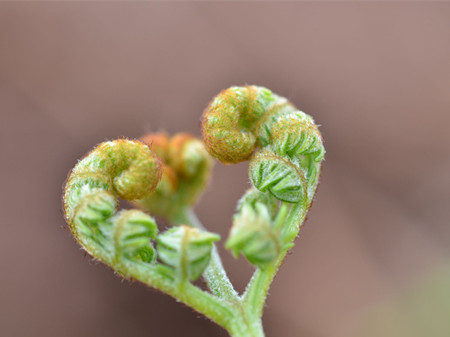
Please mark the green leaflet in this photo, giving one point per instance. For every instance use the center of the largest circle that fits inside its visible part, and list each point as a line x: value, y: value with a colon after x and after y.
x: 187, y: 250
x: 253, y: 235
x: 132, y: 233
x: 279, y: 175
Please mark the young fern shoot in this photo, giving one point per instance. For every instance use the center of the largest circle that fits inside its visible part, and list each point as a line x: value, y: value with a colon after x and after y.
x: 165, y: 176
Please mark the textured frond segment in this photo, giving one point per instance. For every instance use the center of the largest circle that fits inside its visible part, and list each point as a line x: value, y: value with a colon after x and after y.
x: 187, y: 250
x: 132, y: 234
x: 290, y: 132
x: 287, y: 164
x: 278, y: 175
x: 94, y: 207
x: 253, y: 235
x: 120, y: 168
x: 228, y: 122
x: 125, y: 168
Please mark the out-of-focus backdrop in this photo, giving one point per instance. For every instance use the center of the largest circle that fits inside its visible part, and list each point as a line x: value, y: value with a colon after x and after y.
x: 373, y: 258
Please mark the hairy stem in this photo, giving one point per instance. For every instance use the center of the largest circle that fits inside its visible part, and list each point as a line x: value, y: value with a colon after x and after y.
x: 245, y: 326
x: 258, y: 287
x: 243, y: 323
x: 203, y: 302
x: 215, y: 274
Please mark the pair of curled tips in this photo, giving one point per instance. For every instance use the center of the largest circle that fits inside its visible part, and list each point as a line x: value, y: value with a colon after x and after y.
x: 129, y: 170
x: 165, y: 175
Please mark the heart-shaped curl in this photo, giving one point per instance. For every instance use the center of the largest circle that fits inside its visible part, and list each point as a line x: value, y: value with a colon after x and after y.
x: 283, y: 145
x: 165, y: 176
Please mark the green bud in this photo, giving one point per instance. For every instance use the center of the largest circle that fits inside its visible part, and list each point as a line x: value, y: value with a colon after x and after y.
x: 278, y: 175
x: 132, y: 233
x: 253, y: 235
x: 94, y: 208
x: 291, y: 133
x: 187, y: 250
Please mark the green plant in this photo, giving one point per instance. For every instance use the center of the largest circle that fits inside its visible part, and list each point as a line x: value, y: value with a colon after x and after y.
x: 165, y: 176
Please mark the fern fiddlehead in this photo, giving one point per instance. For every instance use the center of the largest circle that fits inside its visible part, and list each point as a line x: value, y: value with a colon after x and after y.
x: 283, y: 144
x: 123, y: 169
x: 166, y: 175
x: 285, y: 149
x: 186, y: 170
x: 130, y: 170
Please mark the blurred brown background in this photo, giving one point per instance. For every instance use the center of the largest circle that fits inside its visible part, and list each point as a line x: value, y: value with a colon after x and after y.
x: 373, y: 257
